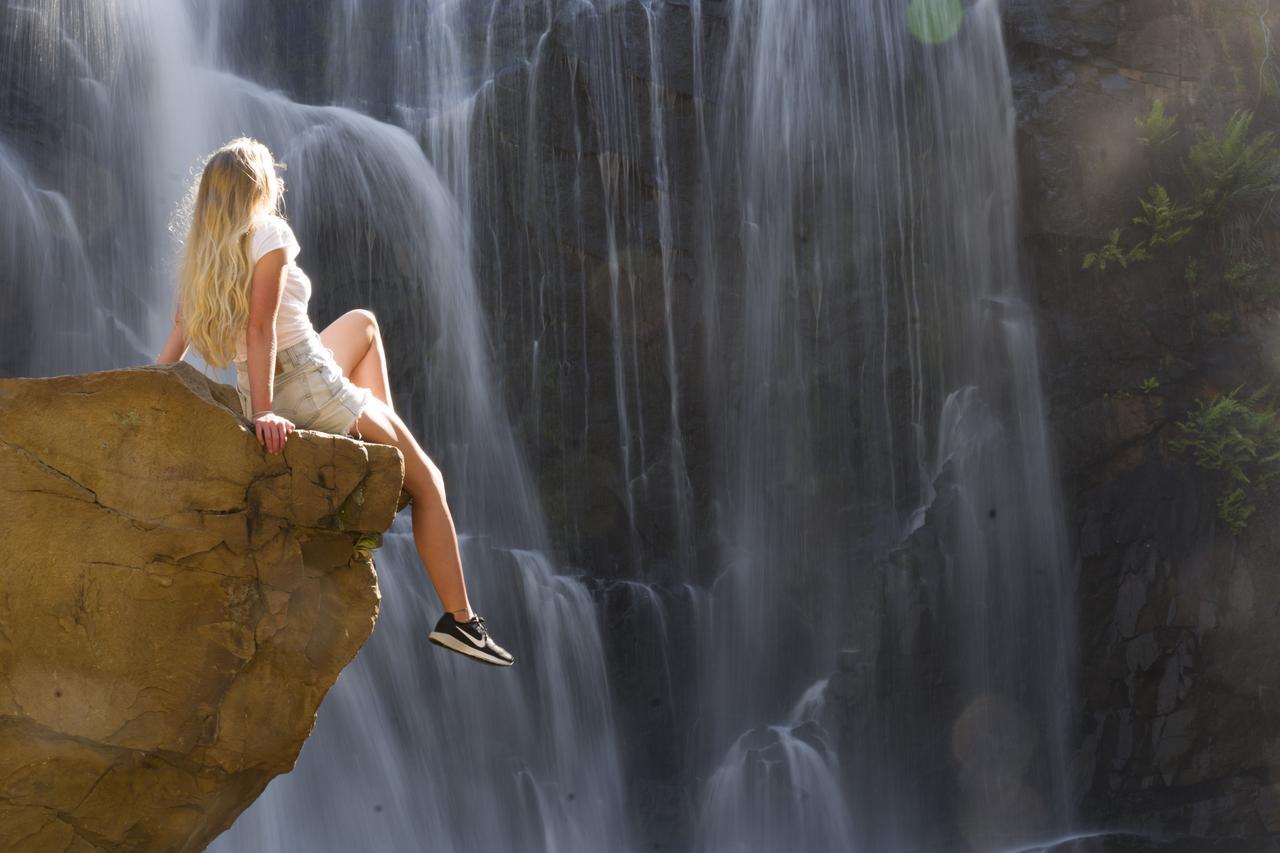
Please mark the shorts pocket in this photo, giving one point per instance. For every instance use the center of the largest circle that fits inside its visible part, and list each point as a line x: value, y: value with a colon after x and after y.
x: 324, y: 377
x: 281, y: 380
x: 293, y: 399
x: 316, y: 380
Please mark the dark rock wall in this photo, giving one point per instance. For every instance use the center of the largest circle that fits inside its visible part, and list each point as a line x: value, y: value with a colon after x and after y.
x: 564, y: 173
x: 1178, y: 630
x: 1177, y: 723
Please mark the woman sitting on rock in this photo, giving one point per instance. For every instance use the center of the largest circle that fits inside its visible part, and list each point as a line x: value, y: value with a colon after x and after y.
x: 242, y: 298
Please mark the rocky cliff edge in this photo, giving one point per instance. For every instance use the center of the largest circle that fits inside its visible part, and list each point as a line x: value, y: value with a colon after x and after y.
x: 174, y: 603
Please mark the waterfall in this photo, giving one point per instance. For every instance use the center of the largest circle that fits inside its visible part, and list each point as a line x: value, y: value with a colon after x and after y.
x: 713, y: 314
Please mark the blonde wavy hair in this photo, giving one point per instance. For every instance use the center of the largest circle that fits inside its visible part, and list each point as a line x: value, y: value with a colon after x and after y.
x: 237, y: 184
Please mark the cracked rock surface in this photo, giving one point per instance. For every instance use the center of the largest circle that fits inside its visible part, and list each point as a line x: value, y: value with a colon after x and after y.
x: 174, y: 603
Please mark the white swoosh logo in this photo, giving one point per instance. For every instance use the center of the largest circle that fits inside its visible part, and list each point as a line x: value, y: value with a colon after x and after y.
x: 479, y: 644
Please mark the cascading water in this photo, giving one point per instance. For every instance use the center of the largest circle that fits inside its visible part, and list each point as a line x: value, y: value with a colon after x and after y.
x: 748, y: 272
x: 879, y: 405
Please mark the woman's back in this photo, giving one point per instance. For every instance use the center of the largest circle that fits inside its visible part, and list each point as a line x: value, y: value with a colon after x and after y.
x: 292, y: 322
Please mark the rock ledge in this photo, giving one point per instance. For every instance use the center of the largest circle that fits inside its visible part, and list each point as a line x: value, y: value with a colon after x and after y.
x: 174, y: 603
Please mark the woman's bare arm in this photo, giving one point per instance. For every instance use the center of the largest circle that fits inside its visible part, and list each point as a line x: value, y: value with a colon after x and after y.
x: 176, y: 346
x: 260, y: 335
x: 271, y: 429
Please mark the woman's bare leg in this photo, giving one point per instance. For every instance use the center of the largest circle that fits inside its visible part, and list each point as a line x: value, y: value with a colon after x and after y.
x: 433, y: 531
x: 356, y: 342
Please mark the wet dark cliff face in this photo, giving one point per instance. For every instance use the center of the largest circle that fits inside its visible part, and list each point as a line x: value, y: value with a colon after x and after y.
x: 1179, y: 725
x: 1178, y: 732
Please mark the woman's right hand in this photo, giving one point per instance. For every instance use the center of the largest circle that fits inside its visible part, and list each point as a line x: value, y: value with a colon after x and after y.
x: 272, y: 431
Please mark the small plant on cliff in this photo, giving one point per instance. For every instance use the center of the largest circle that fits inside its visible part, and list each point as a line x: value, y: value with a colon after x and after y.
x: 1239, y: 439
x: 1155, y: 128
x: 1227, y: 171
x: 366, y: 544
x: 1149, y: 385
x: 1254, y: 274
x: 1192, y: 271
x: 1231, y: 168
x: 1111, y: 252
x: 1219, y: 322
x: 1166, y: 224
x: 1251, y: 272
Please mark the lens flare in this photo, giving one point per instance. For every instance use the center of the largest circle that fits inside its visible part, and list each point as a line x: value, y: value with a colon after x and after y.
x: 934, y: 21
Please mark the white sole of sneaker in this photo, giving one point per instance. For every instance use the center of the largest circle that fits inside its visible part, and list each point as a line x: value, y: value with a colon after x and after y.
x: 458, y: 646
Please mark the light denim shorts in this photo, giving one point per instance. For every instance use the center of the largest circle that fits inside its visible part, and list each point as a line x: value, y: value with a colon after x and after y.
x: 310, y: 389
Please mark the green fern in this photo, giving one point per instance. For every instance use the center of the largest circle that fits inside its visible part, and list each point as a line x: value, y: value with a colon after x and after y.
x: 1251, y: 273
x: 1168, y: 222
x: 1219, y: 322
x: 1155, y: 128
x: 1112, y: 253
x: 1233, y: 169
x: 1256, y: 277
x: 1239, y: 439
x: 1192, y: 271
x: 1234, y: 507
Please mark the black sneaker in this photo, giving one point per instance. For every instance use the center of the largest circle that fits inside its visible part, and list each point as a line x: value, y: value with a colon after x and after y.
x: 470, y: 639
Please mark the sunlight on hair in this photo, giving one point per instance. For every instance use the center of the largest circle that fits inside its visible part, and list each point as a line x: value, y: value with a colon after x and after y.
x: 235, y: 185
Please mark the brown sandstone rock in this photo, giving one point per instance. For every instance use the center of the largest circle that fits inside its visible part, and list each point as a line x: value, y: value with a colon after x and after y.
x: 174, y: 603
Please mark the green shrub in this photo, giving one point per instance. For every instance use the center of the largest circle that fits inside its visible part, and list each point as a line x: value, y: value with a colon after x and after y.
x: 1239, y: 439
x: 1219, y: 322
x: 1192, y: 271
x: 1231, y: 169
x: 1110, y: 252
x: 1251, y: 272
x: 1235, y: 508
x: 1155, y: 128
x: 1227, y: 171
x: 1166, y: 224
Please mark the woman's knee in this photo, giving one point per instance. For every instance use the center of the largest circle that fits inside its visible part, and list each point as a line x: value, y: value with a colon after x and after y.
x: 359, y: 323
x: 350, y: 337
x: 367, y: 319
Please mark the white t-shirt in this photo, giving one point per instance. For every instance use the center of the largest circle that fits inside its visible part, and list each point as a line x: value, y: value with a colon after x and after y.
x: 292, y: 323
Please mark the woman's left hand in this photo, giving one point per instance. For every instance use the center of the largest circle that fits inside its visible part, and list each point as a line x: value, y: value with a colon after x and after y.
x: 272, y: 431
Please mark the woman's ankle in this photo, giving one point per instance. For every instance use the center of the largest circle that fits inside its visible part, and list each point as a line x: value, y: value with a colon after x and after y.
x: 463, y: 615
